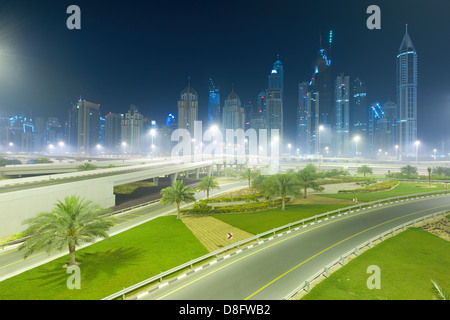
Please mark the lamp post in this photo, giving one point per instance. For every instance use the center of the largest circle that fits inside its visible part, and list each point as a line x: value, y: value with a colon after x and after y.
x: 417, y: 151
x: 319, y: 148
x: 356, y: 138
x: 153, y: 134
x: 61, y: 145
x: 434, y: 154
x: 289, y: 147
x: 396, y: 152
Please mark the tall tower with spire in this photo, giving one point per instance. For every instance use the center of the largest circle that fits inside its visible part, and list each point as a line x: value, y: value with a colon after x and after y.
x: 188, y: 108
x: 406, y: 81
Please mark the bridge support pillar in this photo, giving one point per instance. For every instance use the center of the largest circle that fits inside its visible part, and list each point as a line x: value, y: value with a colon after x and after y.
x: 197, y: 173
x: 210, y: 170
x: 173, y: 178
x: 155, y: 181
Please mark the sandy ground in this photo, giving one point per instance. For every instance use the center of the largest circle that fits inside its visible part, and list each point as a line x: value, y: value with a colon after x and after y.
x: 440, y: 228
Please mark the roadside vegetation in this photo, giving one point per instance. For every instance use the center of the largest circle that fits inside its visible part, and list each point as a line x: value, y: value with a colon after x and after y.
x: 409, y: 264
x: 146, y: 250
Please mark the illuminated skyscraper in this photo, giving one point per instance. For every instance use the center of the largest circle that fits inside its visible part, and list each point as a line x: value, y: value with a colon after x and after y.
x: 214, y: 116
x: 233, y: 113
x: 342, y: 129
x: 88, y: 126
x: 274, y: 100
x: 132, y: 130
x: 407, y: 95
x: 188, y: 109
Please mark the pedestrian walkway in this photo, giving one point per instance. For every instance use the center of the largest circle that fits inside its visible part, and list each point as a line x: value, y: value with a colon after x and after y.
x: 212, y: 233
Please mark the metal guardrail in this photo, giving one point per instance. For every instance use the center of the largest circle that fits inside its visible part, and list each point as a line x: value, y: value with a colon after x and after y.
x: 306, y: 285
x: 346, y: 210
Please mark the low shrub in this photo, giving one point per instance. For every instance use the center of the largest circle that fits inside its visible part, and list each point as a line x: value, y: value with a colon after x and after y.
x: 381, y: 186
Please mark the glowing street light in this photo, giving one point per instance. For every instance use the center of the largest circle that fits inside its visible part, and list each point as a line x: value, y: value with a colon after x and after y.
x: 356, y: 138
x: 417, y: 151
x: 396, y: 152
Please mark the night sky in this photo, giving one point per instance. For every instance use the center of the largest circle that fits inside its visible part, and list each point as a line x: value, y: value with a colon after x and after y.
x: 142, y: 53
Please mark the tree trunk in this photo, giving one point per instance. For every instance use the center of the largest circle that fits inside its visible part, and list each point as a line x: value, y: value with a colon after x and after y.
x: 178, y: 210
x: 304, y: 193
x: 72, y: 261
x: 207, y: 193
x: 283, y: 204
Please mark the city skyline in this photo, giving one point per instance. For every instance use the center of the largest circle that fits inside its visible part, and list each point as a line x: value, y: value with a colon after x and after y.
x: 248, y: 76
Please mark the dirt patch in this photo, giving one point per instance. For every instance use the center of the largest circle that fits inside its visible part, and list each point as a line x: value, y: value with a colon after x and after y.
x: 440, y: 228
x: 212, y: 233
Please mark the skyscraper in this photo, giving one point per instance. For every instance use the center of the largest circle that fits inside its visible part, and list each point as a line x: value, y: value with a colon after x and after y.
x: 342, y: 129
x: 302, y: 117
x: 132, y: 130
x: 113, y: 132
x: 274, y: 100
x: 214, y: 116
x: 188, y: 109
x: 359, y: 115
x: 233, y: 116
x: 88, y: 126
x: 406, y: 76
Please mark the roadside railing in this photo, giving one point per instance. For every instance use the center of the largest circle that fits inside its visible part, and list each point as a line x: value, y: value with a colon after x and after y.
x: 325, y: 272
x: 316, y: 218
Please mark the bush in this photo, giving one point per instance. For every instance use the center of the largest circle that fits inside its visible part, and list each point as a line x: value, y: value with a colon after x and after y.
x: 381, y: 186
x: 203, y: 208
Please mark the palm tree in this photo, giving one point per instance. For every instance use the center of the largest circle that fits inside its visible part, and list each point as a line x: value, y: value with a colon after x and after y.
x: 177, y: 194
x: 364, y: 169
x: 248, y: 175
x: 440, y: 293
x: 308, y: 179
x: 429, y: 176
x: 282, y: 185
x: 207, y: 184
x: 86, y: 167
x: 441, y: 171
x: 409, y: 171
x: 71, y: 223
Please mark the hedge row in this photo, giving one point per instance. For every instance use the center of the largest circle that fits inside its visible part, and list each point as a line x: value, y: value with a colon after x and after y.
x: 248, y: 207
x: 381, y: 186
x: 247, y: 198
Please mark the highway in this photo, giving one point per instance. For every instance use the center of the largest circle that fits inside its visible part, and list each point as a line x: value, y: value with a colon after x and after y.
x: 273, y: 269
x: 12, y: 261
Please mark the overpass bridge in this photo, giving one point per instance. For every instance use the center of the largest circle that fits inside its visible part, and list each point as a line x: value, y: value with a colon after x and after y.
x: 25, y: 197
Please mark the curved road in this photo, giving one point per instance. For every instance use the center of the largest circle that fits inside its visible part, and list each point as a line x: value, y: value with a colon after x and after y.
x: 273, y: 269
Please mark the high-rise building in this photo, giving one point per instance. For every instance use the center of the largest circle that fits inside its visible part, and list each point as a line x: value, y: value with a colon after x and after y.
x: 233, y: 116
x: 406, y: 72
x: 214, y: 116
x: 316, y: 108
x: 274, y: 100
x: 359, y: 115
x: 88, y: 126
x: 188, y: 109
x: 302, y: 118
x: 342, y: 116
x: 132, y: 131
x: 113, y: 132
x: 276, y: 77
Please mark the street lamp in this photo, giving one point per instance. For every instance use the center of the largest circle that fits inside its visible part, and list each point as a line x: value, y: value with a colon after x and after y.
x: 396, y: 152
x: 417, y: 151
x: 434, y: 154
x: 153, y: 134
x: 289, y: 147
x: 61, y: 145
x: 356, y: 138
x: 321, y: 128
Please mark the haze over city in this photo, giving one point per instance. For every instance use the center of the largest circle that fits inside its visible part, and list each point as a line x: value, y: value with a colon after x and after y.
x: 143, y: 54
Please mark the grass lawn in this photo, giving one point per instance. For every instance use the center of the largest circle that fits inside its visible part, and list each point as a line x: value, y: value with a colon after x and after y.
x: 408, y: 262
x: 262, y: 221
x: 108, y: 266
x: 402, y: 189
x: 130, y: 187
